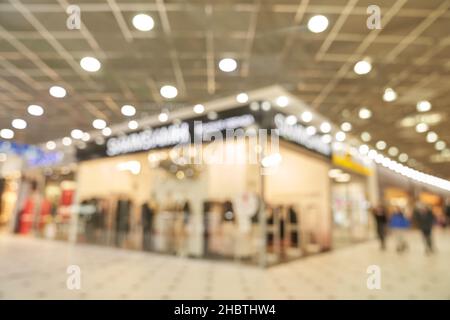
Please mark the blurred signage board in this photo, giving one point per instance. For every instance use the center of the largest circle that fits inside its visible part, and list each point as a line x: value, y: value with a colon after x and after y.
x: 344, y: 157
x: 32, y: 155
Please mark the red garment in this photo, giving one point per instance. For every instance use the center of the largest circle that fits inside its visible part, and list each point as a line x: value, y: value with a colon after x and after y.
x: 26, y: 217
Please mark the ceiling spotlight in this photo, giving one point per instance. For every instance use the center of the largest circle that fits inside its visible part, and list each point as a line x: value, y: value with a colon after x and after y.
x: 199, y: 108
x: 363, y: 67
x: 365, y: 113
x: 227, y: 65
x: 128, y: 110
x: 57, y: 92
x: 318, y: 23
x: 393, y: 151
x: 363, y: 149
x: 106, y: 132
x: 19, y: 124
x: 325, y: 127
x: 403, y: 157
x: 86, y: 137
x: 66, y: 141
x: 282, y: 101
x: 6, y: 134
x: 51, y: 145
x: 90, y: 64
x: 421, y: 127
x: 242, y: 97
x: 143, y: 22
x: 99, y: 124
x: 440, y: 145
x: 326, y: 138
x: 366, y: 137
x: 265, y: 105
x: 346, y: 126
x: 76, y: 134
x: 291, y: 120
x: 432, y: 137
x: 163, y: 116
x: 311, y: 130
x: 133, y: 125
x: 35, y: 110
x: 389, y: 95
x: 307, y: 116
x: 340, y: 136
x: 168, y: 92
x: 423, y: 106
x: 381, y: 145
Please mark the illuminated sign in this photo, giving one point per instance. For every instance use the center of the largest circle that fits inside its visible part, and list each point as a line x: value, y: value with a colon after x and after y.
x: 298, y: 134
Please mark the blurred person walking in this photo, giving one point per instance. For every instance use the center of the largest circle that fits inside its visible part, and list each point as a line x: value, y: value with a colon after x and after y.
x: 381, y: 219
x: 399, y: 224
x: 425, y: 219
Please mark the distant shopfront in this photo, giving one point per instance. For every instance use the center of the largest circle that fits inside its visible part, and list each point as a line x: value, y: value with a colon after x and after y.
x: 178, y: 189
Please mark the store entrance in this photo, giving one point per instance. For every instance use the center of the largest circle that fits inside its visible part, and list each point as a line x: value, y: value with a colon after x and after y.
x: 350, y: 208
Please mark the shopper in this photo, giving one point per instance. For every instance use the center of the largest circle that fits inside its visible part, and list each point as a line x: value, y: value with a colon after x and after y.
x: 447, y: 212
x: 380, y: 215
x: 399, y: 224
x: 425, y: 219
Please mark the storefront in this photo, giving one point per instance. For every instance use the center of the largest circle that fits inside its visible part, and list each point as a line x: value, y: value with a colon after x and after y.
x: 182, y: 189
x: 351, y: 176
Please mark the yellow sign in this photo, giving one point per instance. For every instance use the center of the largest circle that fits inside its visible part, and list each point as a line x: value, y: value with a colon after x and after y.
x: 346, y: 161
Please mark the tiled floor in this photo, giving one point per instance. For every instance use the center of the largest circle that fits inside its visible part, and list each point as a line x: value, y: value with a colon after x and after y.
x: 36, y: 269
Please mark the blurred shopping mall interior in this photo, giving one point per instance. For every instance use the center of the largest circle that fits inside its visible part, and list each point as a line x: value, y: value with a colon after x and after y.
x: 260, y: 140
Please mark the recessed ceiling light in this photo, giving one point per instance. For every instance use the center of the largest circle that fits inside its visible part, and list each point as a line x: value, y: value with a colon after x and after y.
x: 6, y: 134
x: 76, y: 134
x: 133, y: 125
x: 51, y: 145
x: 86, y: 137
x: 168, y: 92
x: 199, y: 108
x: 143, y: 22
x: 325, y: 127
x: 366, y: 137
x: 432, y: 137
x: 365, y: 113
x: 311, y: 130
x: 282, y: 101
x: 242, y: 97
x: 346, y: 126
x: 326, y: 138
x: 227, y: 65
x: 307, y: 116
x: 363, y: 67
x: 106, y: 132
x: 57, y: 92
x: 19, y: 124
x: 291, y: 120
x: 163, y: 116
x: 389, y: 95
x: 66, y: 141
x: 440, y: 145
x: 128, y: 110
x: 393, y: 151
x: 363, y: 149
x: 423, y: 106
x: 340, y: 136
x: 318, y: 23
x: 266, y: 106
x: 35, y: 110
x: 421, y: 127
x: 99, y: 124
x: 403, y: 157
x: 381, y: 145
x: 90, y: 64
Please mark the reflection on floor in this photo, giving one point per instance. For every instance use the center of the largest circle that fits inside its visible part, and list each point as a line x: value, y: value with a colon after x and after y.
x: 36, y: 269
